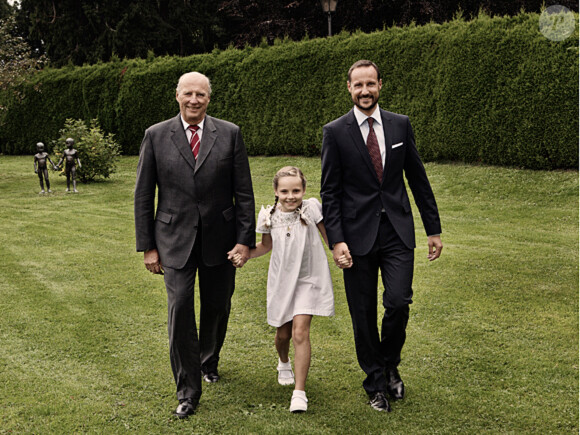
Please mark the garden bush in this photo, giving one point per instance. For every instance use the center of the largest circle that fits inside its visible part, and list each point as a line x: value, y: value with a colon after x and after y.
x: 489, y: 90
x: 97, y: 151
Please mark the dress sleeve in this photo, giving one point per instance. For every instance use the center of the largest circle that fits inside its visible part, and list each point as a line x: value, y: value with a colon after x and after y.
x: 315, y: 210
x: 262, y: 226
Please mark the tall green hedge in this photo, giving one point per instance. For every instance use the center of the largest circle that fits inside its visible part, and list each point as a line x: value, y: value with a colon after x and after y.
x: 490, y: 90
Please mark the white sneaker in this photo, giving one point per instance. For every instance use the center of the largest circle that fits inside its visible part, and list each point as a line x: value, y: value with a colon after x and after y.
x: 285, y: 373
x: 299, y: 402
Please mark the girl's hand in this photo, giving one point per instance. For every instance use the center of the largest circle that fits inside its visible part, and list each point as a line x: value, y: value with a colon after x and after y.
x: 344, y: 262
x: 239, y: 255
x: 236, y: 259
x: 341, y: 255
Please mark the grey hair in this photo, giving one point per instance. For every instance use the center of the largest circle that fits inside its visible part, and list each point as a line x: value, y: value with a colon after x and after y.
x: 193, y: 72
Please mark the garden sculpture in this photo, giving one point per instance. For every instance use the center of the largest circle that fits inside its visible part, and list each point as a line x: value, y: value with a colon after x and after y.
x: 72, y: 159
x: 41, y: 168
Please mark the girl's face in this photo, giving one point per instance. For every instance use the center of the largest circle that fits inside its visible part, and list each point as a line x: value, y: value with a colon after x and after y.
x: 290, y: 193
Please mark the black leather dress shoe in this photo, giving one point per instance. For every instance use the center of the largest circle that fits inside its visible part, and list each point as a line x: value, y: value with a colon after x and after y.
x: 211, y: 376
x: 395, y: 386
x: 379, y: 402
x: 186, y: 408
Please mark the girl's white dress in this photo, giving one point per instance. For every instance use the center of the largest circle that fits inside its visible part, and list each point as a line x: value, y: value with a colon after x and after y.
x: 299, y: 277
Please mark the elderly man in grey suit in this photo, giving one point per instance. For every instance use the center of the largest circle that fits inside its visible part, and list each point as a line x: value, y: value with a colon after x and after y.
x: 205, y: 212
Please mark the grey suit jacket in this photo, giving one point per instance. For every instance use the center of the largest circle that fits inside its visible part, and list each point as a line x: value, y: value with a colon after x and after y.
x: 215, y: 192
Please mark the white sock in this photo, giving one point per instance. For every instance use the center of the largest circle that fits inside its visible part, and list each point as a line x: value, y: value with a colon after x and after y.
x: 285, y: 365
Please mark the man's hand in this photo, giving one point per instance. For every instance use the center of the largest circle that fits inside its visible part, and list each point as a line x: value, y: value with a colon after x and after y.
x: 244, y: 255
x: 435, y: 247
x: 152, y: 263
x: 341, y: 255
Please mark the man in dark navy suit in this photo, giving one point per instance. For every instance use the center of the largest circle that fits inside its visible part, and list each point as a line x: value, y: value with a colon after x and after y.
x: 368, y: 217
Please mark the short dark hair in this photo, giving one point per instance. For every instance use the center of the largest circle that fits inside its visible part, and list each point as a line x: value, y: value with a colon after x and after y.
x: 363, y: 63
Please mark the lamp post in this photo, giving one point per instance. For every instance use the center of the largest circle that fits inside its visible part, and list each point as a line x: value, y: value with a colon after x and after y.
x: 329, y: 6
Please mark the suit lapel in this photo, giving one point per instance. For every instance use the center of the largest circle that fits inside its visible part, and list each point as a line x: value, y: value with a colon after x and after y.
x: 354, y: 131
x: 208, y: 139
x: 179, y: 140
x: 387, y: 130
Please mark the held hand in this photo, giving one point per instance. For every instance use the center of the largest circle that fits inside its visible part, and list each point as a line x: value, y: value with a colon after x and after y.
x: 36, y: 171
x: 236, y: 259
x: 435, y: 247
x: 344, y: 263
x: 152, y: 262
x: 244, y: 255
x: 341, y: 255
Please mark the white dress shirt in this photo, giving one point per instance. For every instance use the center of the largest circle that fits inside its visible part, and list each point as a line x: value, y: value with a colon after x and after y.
x: 363, y: 124
x: 188, y: 132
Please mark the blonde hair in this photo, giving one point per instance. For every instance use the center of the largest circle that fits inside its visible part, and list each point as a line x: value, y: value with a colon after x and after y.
x: 288, y: 171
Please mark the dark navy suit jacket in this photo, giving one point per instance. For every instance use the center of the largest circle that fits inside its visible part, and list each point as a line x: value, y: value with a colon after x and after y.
x: 353, y: 198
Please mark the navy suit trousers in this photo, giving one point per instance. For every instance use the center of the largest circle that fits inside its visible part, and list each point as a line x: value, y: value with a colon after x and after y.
x: 395, y: 261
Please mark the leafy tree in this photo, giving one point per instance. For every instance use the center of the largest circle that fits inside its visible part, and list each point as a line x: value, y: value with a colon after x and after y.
x: 89, y: 31
x: 17, y: 61
x: 5, y: 9
x: 251, y: 21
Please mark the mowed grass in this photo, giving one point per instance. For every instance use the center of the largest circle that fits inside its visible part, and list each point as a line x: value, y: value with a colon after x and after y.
x: 492, y: 343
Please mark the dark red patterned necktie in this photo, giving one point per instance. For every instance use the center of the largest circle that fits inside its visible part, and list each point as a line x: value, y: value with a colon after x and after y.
x: 194, y: 142
x: 373, y: 147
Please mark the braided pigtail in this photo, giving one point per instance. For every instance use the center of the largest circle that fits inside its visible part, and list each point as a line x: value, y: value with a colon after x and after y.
x: 300, y: 211
x: 269, y: 216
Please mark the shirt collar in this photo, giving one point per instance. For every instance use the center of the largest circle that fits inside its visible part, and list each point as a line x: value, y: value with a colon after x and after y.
x: 186, y: 125
x: 361, y: 117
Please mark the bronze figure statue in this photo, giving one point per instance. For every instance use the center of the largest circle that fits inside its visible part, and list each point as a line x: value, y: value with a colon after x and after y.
x: 72, y: 159
x: 41, y: 168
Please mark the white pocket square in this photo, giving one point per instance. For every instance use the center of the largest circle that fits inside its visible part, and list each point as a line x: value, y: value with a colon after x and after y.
x: 397, y: 145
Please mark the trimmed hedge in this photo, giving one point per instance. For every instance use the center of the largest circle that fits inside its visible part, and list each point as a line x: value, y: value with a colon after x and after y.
x: 490, y: 90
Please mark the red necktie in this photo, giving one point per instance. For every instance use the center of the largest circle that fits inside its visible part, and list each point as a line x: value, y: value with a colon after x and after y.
x: 375, y: 153
x: 194, y: 142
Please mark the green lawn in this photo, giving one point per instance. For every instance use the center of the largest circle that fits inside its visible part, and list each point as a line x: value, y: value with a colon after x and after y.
x: 492, y: 341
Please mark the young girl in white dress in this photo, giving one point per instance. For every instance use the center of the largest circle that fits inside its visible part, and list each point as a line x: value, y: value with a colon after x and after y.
x: 299, y: 282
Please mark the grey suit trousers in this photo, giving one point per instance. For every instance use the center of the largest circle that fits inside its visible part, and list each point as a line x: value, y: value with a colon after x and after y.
x: 188, y: 352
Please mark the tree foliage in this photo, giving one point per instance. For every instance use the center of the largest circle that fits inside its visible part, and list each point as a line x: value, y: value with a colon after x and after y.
x: 249, y: 22
x: 89, y: 31
x: 488, y: 90
x: 5, y: 9
x: 17, y: 61
x: 78, y: 32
